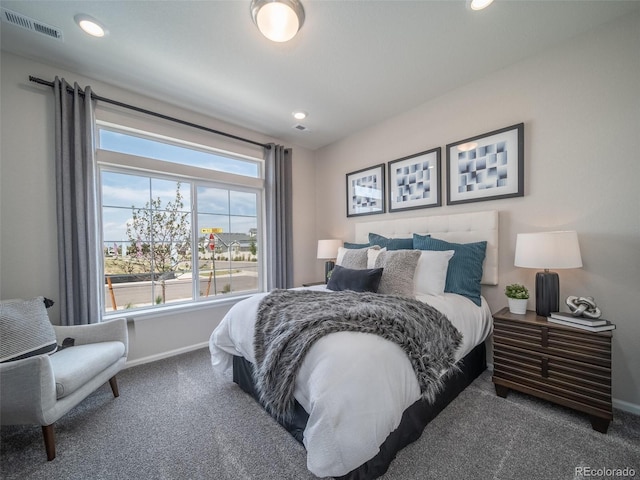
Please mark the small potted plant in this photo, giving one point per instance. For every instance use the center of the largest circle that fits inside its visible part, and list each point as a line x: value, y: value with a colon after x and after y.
x: 518, y: 296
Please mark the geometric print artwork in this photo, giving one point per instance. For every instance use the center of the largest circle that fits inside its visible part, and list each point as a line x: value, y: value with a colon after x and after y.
x: 482, y: 168
x: 366, y: 192
x: 413, y: 182
x: 491, y: 171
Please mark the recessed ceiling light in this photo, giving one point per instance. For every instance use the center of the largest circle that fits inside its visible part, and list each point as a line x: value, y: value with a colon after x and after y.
x: 299, y: 115
x: 90, y: 25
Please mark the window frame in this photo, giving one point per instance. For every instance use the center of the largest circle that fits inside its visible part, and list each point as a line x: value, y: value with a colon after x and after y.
x: 122, y: 163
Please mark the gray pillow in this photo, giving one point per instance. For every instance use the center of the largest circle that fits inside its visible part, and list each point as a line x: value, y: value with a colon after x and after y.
x: 354, y: 258
x: 25, y: 329
x: 399, y: 270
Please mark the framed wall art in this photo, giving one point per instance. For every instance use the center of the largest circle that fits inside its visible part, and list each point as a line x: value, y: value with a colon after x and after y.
x: 365, y: 191
x: 486, y: 167
x: 414, y: 181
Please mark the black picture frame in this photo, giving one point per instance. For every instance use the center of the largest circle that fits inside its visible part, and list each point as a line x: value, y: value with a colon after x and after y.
x: 486, y: 167
x: 415, y: 181
x: 365, y: 191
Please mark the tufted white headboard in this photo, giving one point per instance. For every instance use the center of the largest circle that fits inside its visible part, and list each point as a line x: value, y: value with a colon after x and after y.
x: 458, y: 228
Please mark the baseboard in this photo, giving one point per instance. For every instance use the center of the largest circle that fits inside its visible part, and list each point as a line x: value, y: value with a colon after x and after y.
x: 170, y: 353
x: 619, y: 404
x: 626, y: 406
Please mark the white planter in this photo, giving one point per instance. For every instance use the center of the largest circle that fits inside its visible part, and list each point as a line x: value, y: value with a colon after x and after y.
x: 518, y: 305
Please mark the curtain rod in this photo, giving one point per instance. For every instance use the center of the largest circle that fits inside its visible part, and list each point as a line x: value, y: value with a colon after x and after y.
x: 154, y: 114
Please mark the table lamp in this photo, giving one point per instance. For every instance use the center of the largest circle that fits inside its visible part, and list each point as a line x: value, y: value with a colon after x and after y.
x: 547, y: 250
x: 328, y: 250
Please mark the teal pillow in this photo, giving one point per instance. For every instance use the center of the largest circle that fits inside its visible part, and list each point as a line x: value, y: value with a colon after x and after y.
x: 355, y: 245
x: 465, y: 267
x: 391, y: 243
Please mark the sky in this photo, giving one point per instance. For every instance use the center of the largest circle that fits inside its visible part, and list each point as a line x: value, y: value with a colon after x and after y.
x: 233, y: 211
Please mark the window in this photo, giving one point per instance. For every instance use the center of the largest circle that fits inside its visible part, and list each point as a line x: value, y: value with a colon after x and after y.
x: 180, y: 224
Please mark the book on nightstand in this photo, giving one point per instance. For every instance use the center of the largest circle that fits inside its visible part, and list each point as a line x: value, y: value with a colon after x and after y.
x: 598, y: 328
x: 589, y: 322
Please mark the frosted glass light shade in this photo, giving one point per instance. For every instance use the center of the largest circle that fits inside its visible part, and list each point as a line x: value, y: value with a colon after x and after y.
x: 480, y: 4
x: 548, y: 250
x: 278, y: 20
x: 328, y: 248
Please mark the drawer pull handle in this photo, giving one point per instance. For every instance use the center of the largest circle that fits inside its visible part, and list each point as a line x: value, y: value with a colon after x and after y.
x: 545, y: 336
x: 545, y: 367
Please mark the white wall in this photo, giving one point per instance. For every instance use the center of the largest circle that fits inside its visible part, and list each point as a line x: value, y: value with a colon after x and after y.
x: 580, y: 104
x: 28, y: 245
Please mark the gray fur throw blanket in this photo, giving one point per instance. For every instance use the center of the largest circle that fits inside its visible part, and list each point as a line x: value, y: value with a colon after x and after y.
x: 290, y: 321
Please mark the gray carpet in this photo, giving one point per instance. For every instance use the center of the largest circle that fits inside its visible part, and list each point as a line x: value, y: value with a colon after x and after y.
x: 178, y: 419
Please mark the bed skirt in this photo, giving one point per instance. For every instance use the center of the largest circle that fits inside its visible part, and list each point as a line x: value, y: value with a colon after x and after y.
x: 414, y: 419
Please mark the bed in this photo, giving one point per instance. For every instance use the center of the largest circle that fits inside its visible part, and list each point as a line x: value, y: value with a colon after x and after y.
x: 356, y: 397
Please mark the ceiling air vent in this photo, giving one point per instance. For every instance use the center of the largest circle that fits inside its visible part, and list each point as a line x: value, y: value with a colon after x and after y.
x: 30, y: 24
x: 302, y: 128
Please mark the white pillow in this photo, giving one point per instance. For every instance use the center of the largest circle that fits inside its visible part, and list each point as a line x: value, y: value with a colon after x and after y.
x: 431, y: 272
x: 372, y: 254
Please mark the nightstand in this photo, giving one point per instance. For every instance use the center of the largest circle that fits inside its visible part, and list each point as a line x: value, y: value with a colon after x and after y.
x: 565, y: 365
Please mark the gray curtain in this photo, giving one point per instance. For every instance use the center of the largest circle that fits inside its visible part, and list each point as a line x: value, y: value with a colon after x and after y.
x: 279, y: 256
x: 78, y: 255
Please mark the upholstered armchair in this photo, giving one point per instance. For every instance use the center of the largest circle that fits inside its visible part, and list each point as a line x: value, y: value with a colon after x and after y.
x: 42, y: 387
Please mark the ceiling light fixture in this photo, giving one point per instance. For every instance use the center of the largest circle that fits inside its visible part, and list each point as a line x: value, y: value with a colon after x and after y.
x: 90, y: 25
x: 278, y: 20
x: 480, y: 4
x: 299, y: 115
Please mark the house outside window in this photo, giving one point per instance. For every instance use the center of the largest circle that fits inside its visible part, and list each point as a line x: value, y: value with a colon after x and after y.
x: 181, y: 223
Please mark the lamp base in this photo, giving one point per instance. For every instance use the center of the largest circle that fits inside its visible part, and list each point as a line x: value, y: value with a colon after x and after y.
x: 547, y: 293
x: 328, y: 266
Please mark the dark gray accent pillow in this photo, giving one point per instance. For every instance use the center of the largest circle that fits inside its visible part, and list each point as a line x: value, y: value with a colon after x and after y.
x: 364, y: 280
x: 25, y: 329
x: 399, y: 270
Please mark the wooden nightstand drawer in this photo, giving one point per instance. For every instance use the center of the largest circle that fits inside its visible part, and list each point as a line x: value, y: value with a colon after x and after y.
x: 575, y: 381
x: 565, y: 365
x: 553, y: 339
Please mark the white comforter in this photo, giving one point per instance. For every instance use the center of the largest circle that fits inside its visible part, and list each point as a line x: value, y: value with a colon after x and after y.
x: 355, y: 386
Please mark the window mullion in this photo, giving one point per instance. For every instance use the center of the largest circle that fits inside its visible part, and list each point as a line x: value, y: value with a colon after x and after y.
x: 195, y: 246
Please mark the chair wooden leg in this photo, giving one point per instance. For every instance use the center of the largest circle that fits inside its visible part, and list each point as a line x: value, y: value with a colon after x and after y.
x: 49, y: 441
x: 114, y: 386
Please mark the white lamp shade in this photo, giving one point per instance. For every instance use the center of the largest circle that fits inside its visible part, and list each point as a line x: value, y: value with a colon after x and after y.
x: 548, y: 250
x: 328, y: 248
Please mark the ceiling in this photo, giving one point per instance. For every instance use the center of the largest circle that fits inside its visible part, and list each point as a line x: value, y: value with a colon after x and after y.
x: 353, y: 64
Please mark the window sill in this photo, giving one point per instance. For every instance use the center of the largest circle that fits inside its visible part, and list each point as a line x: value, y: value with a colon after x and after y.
x: 151, y: 313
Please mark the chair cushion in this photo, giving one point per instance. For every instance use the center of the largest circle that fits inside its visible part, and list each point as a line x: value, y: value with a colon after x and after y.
x: 75, y: 366
x: 25, y: 329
